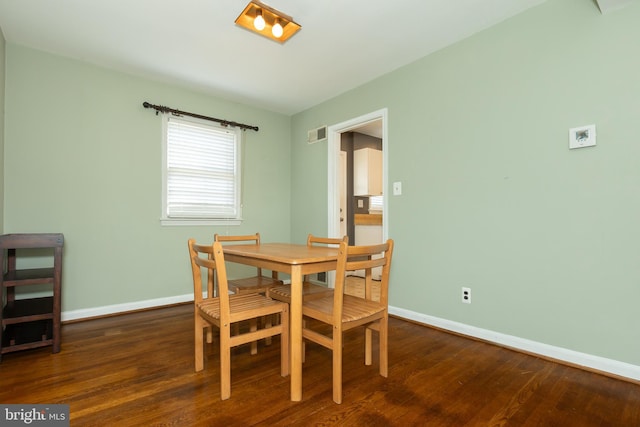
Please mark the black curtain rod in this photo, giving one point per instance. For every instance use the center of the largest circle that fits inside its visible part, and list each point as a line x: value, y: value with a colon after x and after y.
x: 163, y: 109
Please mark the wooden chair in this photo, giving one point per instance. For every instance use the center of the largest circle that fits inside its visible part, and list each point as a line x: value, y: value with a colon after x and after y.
x: 252, y: 284
x: 309, y: 290
x: 344, y: 312
x: 225, y: 310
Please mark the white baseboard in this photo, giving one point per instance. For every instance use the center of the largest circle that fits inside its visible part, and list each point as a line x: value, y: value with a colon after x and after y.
x: 597, y: 363
x: 121, y: 308
x: 562, y: 354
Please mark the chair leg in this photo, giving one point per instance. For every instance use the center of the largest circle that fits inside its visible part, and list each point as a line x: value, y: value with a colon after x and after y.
x: 367, y: 346
x: 268, y: 322
x: 285, y: 347
x: 225, y: 362
x: 384, y: 350
x: 304, y: 343
x: 209, y: 334
x: 199, y: 326
x: 337, y: 366
x: 253, y: 326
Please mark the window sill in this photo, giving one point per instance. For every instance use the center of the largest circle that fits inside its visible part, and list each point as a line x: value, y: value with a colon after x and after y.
x: 195, y: 222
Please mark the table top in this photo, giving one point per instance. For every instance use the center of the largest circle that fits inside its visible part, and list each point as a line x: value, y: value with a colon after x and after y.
x: 288, y: 253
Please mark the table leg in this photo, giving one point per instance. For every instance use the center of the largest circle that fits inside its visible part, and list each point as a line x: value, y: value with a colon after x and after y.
x: 296, y: 333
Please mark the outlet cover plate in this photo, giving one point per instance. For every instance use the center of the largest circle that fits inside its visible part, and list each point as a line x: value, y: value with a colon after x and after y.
x: 466, y: 295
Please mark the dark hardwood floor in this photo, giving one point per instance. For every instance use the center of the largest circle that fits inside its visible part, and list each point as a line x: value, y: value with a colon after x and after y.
x: 137, y: 370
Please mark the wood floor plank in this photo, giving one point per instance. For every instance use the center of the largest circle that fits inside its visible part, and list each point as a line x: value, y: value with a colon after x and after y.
x: 137, y: 370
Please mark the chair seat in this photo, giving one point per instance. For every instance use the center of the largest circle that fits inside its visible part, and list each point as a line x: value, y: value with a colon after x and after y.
x: 310, y: 291
x: 353, y: 309
x: 256, y: 284
x: 241, y: 307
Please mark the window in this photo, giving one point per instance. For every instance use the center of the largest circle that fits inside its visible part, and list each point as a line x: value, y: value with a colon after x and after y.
x: 201, y: 172
x: 376, y: 204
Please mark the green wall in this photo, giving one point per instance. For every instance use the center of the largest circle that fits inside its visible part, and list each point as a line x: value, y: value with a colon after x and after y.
x: 493, y: 199
x: 83, y: 158
x: 2, y: 73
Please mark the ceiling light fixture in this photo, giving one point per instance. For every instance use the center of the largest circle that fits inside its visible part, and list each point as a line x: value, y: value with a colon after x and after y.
x: 267, y: 21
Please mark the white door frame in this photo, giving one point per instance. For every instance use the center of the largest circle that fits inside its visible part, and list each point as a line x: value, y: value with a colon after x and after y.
x: 333, y: 163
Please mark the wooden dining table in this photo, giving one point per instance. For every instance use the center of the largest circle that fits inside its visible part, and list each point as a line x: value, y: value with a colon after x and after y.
x: 297, y: 261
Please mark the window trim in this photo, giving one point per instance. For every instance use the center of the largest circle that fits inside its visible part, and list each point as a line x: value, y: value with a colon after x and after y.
x: 168, y: 221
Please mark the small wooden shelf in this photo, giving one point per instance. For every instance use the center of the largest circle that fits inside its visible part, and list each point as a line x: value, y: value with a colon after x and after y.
x: 31, y: 322
x: 28, y: 310
x: 27, y: 335
x: 33, y: 276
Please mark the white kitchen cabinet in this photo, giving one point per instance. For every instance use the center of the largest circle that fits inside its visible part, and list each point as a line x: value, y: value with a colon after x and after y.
x: 367, y: 172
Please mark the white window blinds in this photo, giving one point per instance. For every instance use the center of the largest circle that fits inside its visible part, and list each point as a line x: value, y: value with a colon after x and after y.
x: 202, y: 170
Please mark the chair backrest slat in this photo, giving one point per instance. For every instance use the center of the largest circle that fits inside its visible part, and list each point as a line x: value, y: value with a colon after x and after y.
x: 366, y: 264
x: 245, y: 238
x: 329, y: 241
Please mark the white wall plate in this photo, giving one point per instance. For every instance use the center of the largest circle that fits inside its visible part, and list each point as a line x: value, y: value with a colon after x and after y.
x: 584, y: 136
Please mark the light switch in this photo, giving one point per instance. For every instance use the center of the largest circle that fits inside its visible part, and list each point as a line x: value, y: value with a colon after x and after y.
x: 397, y: 188
x: 360, y: 203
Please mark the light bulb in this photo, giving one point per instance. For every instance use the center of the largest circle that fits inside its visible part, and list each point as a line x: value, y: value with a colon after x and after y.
x: 258, y: 22
x: 276, y: 30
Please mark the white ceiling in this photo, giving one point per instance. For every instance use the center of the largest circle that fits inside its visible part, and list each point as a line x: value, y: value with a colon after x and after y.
x: 609, y: 5
x: 195, y: 43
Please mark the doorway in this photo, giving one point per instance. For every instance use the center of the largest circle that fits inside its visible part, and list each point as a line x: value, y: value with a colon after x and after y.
x: 342, y: 202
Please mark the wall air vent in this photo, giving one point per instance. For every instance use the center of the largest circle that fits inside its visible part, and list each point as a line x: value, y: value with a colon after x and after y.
x: 316, y: 135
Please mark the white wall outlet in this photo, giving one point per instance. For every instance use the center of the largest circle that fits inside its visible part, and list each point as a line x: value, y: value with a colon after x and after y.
x: 466, y: 295
x: 584, y: 136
